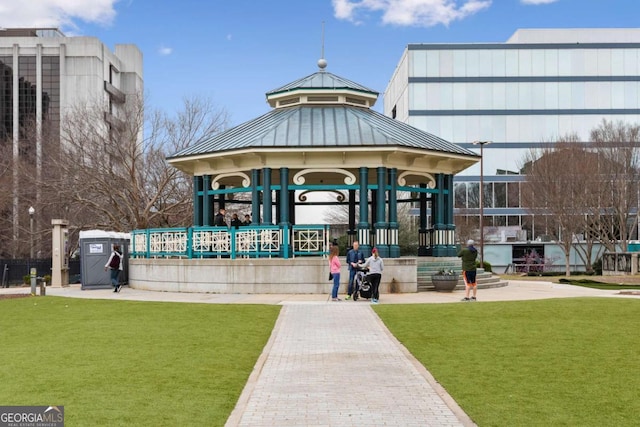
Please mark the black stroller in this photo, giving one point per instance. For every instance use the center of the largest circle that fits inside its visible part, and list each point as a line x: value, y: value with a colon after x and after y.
x: 361, y: 284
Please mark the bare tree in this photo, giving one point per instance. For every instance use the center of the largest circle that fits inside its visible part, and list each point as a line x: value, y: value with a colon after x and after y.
x: 111, y: 177
x: 555, y: 189
x: 618, y: 172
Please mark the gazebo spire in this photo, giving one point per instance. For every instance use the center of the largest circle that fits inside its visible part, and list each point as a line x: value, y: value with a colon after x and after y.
x: 322, y: 63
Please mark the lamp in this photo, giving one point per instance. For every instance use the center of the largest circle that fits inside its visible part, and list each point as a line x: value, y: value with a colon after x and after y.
x: 481, y: 144
x: 31, y: 212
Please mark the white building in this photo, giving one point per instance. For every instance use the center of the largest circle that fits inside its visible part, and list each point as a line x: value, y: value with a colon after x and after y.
x: 42, y: 74
x: 539, y: 85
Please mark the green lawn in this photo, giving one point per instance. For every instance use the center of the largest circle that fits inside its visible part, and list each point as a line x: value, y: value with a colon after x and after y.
x: 130, y: 363
x: 594, y: 284
x: 563, y: 362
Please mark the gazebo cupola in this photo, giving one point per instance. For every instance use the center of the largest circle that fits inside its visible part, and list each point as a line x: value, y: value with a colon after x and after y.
x: 322, y: 88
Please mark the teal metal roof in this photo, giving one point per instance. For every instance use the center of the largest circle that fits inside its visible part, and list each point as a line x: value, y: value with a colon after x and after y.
x: 319, y: 126
x: 322, y: 80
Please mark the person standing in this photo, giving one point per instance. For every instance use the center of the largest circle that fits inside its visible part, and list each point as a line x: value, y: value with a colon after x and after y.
x: 115, y: 265
x: 235, y: 221
x: 334, y: 268
x: 219, y: 220
x: 375, y: 265
x: 354, y: 257
x: 247, y: 220
x: 469, y: 256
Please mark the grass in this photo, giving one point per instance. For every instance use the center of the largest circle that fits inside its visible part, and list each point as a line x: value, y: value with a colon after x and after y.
x: 562, y: 362
x: 594, y: 284
x: 130, y: 363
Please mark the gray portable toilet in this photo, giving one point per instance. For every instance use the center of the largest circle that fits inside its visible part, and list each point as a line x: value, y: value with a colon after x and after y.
x: 95, y: 249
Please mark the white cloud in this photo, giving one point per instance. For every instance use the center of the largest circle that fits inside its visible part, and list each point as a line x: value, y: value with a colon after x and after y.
x: 56, y: 13
x: 536, y: 2
x: 422, y: 13
x: 164, y: 50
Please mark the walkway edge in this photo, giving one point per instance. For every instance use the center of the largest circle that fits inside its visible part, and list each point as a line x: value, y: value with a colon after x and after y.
x: 437, y: 387
x: 249, y: 387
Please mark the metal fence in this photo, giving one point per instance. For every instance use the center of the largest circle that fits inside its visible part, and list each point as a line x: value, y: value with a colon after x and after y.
x: 12, y: 271
x: 221, y: 242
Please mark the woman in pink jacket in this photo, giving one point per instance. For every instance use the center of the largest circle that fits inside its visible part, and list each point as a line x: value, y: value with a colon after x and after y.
x: 334, y: 266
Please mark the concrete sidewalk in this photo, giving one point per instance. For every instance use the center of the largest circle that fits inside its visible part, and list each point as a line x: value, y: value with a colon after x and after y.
x: 516, y: 290
x: 335, y: 363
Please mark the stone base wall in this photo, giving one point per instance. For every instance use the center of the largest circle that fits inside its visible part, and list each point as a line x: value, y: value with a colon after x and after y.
x: 258, y: 276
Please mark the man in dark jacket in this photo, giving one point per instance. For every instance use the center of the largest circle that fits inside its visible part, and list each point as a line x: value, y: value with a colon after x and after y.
x: 354, y: 257
x: 219, y: 220
x: 469, y: 256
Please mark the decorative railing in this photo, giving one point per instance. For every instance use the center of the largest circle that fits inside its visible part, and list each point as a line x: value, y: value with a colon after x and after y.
x: 264, y: 241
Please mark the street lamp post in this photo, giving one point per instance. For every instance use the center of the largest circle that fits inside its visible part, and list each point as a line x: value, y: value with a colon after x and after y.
x: 481, y: 144
x: 31, y: 212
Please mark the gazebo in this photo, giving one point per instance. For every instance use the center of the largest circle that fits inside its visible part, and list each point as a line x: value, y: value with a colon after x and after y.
x: 320, y: 136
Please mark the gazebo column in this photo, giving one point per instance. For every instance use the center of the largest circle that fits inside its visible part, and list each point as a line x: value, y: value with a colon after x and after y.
x: 381, y: 226
x: 438, y: 214
x: 266, y: 197
x: 448, y: 218
x: 255, y: 196
x: 285, y: 249
x: 206, y: 201
x: 394, y: 247
x: 424, y: 244
x: 351, y: 232
x: 363, y: 223
x: 197, y: 201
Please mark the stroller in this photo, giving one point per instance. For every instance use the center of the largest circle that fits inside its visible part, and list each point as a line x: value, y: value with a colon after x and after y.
x: 361, y: 284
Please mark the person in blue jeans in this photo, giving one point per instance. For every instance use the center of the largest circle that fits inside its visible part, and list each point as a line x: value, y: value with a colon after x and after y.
x: 115, y: 265
x: 334, y: 267
x: 354, y: 257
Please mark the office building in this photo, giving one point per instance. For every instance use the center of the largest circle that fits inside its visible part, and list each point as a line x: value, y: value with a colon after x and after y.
x: 537, y: 86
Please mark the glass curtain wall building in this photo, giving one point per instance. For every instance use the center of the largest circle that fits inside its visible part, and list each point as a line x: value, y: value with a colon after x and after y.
x: 539, y: 85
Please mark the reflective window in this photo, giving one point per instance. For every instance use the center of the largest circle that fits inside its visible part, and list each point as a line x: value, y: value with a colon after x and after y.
x: 418, y: 61
x: 460, y: 191
x: 551, y: 62
x: 630, y: 62
x: 433, y: 63
x: 6, y: 105
x: 590, y: 62
x: 511, y: 58
x: 499, y: 62
x: 473, y: 195
x: 487, y: 195
x: 500, y: 194
x: 513, y: 194
x: 459, y: 63
x: 537, y: 62
x: 524, y: 62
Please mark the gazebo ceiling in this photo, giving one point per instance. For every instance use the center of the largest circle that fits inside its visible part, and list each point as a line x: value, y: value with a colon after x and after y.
x: 324, y: 122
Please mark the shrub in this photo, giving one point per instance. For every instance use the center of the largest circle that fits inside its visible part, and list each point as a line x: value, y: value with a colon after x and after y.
x: 485, y: 265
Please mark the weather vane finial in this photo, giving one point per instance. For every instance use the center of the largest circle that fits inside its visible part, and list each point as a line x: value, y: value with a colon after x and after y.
x: 322, y: 63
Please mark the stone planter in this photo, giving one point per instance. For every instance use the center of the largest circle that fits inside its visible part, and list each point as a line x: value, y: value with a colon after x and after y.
x: 444, y: 283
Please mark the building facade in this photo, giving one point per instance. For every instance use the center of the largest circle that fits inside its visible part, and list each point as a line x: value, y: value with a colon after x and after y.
x: 43, y: 74
x: 522, y: 94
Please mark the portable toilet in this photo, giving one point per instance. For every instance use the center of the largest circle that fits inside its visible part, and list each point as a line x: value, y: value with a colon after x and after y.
x: 95, y: 248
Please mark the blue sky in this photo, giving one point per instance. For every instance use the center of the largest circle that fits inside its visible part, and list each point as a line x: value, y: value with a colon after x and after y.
x: 233, y: 52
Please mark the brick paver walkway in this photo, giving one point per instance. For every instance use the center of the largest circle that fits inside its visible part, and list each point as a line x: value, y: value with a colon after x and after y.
x: 336, y: 364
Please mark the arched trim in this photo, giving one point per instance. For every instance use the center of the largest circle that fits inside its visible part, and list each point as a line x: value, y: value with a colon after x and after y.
x: 402, y: 182
x: 246, y: 181
x: 340, y: 197
x: 299, y: 179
